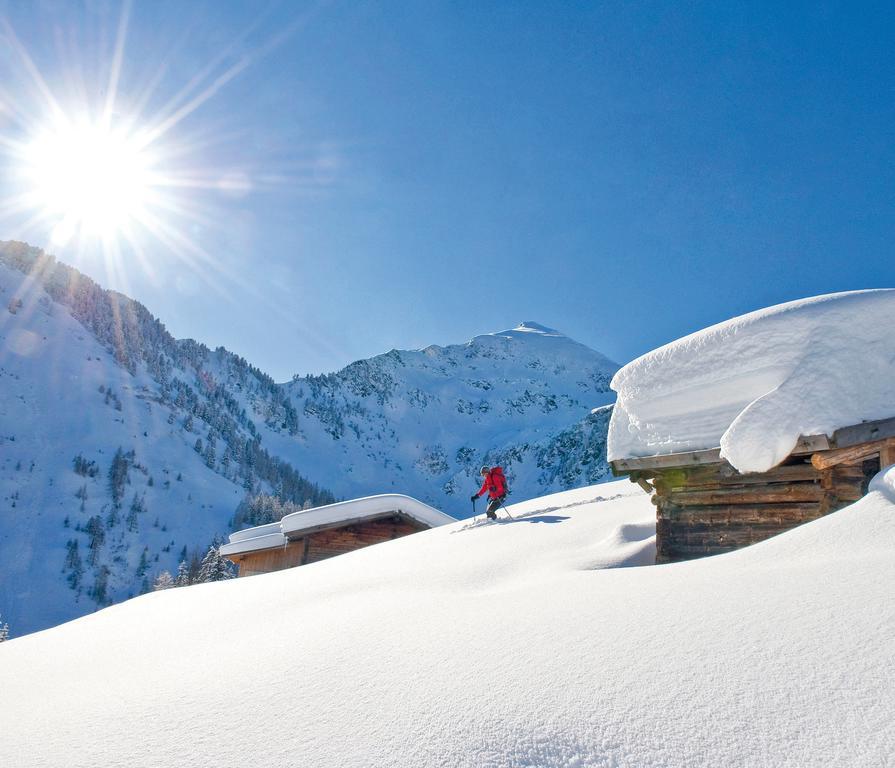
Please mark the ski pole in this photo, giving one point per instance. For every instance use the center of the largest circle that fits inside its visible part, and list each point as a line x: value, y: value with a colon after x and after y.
x: 473, y: 509
x: 507, y: 511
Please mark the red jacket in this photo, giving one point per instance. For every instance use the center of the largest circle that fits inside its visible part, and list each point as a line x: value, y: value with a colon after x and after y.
x: 495, y: 483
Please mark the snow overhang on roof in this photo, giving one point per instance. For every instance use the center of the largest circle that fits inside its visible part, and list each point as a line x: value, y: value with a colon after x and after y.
x: 297, y: 524
x: 252, y: 539
x: 755, y: 387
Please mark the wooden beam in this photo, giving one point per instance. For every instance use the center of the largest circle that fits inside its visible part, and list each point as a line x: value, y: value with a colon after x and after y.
x: 805, y: 444
x: 689, y: 458
x: 755, y: 494
x: 828, y: 459
x: 723, y: 475
x: 644, y: 484
x: 785, y: 512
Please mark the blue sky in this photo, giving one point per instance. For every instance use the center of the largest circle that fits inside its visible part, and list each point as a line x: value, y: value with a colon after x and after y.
x: 400, y: 174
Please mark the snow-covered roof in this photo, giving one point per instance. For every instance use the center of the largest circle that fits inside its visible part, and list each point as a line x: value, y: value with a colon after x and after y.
x: 258, y: 530
x: 752, y: 385
x: 253, y: 540
x: 292, y: 526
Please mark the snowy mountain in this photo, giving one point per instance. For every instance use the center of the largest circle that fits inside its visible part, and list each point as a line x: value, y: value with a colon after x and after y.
x: 510, y: 644
x: 424, y: 422
x: 124, y: 452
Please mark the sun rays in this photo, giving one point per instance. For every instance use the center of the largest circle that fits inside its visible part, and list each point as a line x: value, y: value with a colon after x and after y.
x: 91, y: 167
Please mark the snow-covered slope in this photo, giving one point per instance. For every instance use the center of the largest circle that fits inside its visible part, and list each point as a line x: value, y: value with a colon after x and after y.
x: 111, y: 394
x: 92, y: 386
x: 423, y: 422
x: 508, y: 644
x: 753, y: 384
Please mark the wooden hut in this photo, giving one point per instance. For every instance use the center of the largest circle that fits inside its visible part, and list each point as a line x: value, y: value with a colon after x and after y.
x: 705, y: 507
x: 322, y: 532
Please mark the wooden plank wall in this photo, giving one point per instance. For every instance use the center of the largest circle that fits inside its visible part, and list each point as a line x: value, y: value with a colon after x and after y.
x: 324, y: 544
x: 338, y: 541
x: 711, y: 508
x: 267, y: 560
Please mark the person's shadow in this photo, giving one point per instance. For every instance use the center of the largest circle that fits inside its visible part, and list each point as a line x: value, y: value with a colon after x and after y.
x: 535, y: 519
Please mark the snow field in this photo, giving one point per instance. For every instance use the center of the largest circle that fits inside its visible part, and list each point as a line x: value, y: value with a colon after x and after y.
x: 515, y: 643
x: 51, y: 409
x: 412, y: 421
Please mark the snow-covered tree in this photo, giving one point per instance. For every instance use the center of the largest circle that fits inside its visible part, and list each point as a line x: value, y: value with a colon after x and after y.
x: 214, y: 566
x: 183, y: 575
x: 164, y: 581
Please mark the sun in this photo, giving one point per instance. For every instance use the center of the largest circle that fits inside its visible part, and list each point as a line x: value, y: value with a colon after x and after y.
x: 87, y: 179
x: 120, y: 172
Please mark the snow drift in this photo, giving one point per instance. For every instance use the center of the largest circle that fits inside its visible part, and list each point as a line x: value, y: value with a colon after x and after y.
x: 753, y: 384
x: 508, y: 644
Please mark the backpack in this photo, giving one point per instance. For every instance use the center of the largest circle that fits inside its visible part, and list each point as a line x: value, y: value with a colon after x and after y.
x: 499, y: 481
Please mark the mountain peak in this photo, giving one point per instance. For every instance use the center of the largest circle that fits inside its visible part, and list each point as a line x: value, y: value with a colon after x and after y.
x: 530, y: 330
x: 530, y: 326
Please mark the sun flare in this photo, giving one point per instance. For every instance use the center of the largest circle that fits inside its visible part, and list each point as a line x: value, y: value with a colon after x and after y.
x: 119, y: 172
x: 87, y: 179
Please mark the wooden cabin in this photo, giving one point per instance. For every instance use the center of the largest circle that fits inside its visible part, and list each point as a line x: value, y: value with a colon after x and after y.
x: 323, y: 532
x: 705, y: 507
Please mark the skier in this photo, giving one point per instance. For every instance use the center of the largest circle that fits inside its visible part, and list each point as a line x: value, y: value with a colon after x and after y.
x: 496, y: 485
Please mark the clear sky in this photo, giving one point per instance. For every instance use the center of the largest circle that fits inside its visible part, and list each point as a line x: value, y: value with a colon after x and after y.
x: 342, y: 178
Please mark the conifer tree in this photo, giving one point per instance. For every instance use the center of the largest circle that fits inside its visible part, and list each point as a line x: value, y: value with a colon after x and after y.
x: 118, y: 476
x: 100, y: 587
x: 137, y: 506
x: 214, y: 566
x: 183, y: 575
x: 97, y: 534
x: 164, y: 581
x: 73, y: 564
x: 143, y: 565
x: 209, y: 453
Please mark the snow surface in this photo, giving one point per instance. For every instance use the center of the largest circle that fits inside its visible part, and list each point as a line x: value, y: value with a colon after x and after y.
x: 753, y: 384
x: 517, y: 643
x: 418, y: 422
x: 52, y: 409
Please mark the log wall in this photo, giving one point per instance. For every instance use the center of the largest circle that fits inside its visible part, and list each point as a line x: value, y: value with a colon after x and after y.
x: 267, y: 560
x: 338, y: 541
x: 320, y: 545
x: 708, y: 509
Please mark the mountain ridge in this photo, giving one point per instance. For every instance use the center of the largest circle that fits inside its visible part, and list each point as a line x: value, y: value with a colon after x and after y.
x: 94, y: 387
